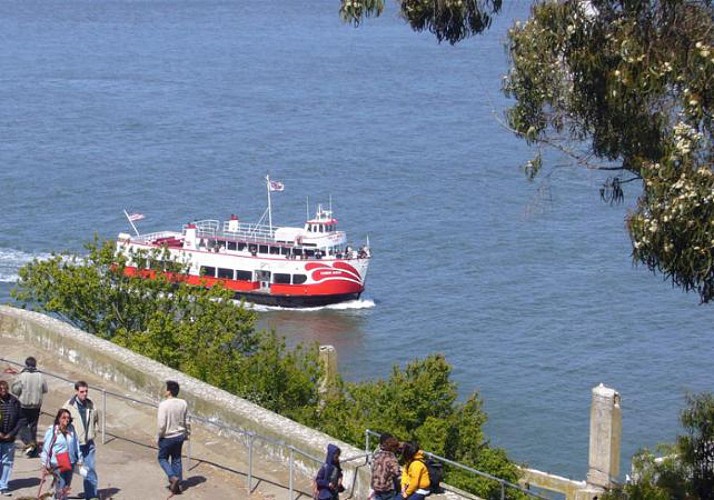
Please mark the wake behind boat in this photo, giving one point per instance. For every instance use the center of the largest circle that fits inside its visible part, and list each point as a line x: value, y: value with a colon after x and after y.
x: 307, y: 266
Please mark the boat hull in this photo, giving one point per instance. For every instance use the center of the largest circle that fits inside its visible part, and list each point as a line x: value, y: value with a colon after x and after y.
x: 296, y: 301
x: 326, y: 283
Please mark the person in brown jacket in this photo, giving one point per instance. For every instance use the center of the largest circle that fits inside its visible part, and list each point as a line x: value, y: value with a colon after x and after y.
x: 385, y: 469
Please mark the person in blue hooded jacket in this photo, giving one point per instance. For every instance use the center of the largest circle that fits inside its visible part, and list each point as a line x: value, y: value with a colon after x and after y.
x: 329, y: 478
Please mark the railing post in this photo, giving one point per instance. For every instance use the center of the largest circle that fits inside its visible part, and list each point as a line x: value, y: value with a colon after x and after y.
x: 291, y: 467
x: 366, y: 441
x: 503, y: 490
x: 104, y: 416
x: 188, y: 452
x: 250, y: 462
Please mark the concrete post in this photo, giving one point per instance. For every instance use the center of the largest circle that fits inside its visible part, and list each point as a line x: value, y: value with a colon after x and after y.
x: 328, y: 358
x: 605, y: 437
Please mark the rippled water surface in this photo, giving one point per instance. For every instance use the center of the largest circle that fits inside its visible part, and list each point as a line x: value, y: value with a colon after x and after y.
x: 178, y: 109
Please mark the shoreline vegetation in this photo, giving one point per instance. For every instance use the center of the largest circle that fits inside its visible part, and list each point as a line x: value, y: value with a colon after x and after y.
x: 204, y: 333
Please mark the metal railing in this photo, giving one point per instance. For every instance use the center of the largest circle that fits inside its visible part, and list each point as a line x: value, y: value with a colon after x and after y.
x: 502, y: 482
x: 245, y: 231
x: 250, y: 436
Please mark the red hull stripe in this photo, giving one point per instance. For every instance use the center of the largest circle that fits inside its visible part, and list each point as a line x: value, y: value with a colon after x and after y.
x: 334, y: 283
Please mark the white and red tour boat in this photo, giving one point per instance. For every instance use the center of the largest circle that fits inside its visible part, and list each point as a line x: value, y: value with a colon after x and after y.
x: 307, y: 266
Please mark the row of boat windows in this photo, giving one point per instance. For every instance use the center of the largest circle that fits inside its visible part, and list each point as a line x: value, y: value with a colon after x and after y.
x: 238, y: 274
x: 321, y: 228
x: 255, y: 249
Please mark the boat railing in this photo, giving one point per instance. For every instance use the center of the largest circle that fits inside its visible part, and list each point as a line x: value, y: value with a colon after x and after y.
x: 149, y: 237
x: 207, y: 227
x: 257, y: 233
x: 253, y: 232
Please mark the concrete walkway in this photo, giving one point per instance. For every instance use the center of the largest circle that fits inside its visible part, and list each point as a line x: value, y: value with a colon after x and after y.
x: 126, y: 463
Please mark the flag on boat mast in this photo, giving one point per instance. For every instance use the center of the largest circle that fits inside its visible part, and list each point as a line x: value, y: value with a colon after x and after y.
x: 134, y: 217
x: 276, y: 185
x: 272, y: 186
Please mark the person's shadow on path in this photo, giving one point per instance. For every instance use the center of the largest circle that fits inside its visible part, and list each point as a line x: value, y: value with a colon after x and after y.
x: 192, y: 482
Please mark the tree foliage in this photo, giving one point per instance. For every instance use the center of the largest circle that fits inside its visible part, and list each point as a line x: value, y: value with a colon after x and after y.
x: 627, y: 85
x: 448, y: 20
x: 685, y: 470
x: 696, y: 445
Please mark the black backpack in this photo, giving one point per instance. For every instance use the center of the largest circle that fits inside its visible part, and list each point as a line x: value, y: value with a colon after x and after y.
x: 436, y: 474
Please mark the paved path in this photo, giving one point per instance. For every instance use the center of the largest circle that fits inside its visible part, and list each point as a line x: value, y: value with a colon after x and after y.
x: 126, y: 463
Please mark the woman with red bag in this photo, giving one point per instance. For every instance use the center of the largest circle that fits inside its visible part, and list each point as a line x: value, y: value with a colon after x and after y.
x: 60, y: 453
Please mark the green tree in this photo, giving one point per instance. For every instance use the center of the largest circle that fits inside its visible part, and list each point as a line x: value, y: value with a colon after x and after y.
x: 626, y: 86
x: 685, y: 470
x: 696, y: 446
x: 447, y: 20
x: 282, y: 380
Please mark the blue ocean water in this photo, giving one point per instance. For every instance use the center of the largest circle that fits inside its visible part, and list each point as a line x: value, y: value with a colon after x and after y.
x: 179, y: 109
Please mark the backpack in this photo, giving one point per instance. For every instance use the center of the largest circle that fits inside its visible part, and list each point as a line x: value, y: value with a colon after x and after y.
x: 436, y: 474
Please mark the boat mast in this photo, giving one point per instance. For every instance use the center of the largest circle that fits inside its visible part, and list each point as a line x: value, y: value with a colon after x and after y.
x: 131, y: 221
x: 270, y: 210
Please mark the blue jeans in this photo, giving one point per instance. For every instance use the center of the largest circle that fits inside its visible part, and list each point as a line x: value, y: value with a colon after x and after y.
x: 386, y: 495
x: 7, y: 457
x: 63, y: 480
x: 170, y: 448
x: 91, y: 482
x: 416, y: 496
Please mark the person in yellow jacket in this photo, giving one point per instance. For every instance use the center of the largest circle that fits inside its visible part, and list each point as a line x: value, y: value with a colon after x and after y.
x: 415, y: 476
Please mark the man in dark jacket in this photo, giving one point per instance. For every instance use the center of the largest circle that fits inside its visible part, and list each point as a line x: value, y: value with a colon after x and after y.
x: 10, y: 422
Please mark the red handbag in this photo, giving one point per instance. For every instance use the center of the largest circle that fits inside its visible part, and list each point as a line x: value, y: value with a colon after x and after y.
x: 63, y: 462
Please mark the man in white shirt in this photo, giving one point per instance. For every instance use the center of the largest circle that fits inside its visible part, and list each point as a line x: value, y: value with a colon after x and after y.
x: 173, y: 431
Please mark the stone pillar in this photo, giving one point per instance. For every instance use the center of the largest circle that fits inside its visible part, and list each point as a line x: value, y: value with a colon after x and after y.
x: 605, y: 437
x: 328, y: 358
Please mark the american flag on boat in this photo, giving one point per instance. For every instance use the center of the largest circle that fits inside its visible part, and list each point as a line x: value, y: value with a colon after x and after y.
x: 136, y: 216
x: 276, y: 186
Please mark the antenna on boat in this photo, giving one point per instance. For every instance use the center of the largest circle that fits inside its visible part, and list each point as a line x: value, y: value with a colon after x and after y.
x: 307, y: 208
